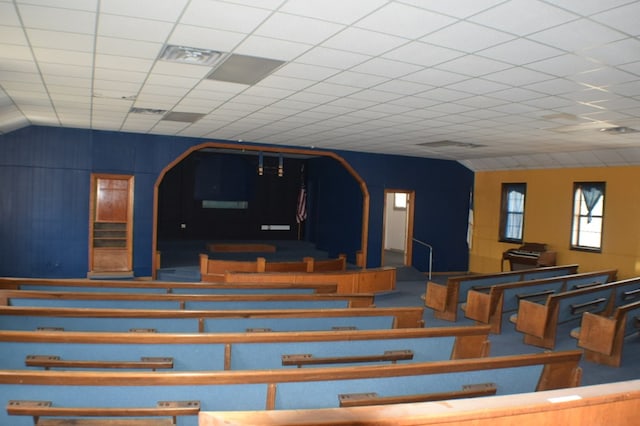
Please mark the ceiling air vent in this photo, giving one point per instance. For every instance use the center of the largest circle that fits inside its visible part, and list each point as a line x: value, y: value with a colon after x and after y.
x: 620, y: 130
x: 185, y: 117
x: 449, y: 144
x: 244, y: 69
x: 190, y: 55
x: 148, y: 111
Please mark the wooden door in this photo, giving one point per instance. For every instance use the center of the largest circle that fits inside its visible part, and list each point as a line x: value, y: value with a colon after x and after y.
x: 111, y: 225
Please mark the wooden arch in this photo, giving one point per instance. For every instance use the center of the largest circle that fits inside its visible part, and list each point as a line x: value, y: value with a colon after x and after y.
x: 361, y: 256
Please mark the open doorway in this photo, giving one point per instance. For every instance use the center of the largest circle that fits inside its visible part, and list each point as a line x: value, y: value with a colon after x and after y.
x: 397, y: 230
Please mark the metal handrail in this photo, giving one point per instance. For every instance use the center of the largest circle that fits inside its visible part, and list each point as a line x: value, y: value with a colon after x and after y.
x: 430, y: 253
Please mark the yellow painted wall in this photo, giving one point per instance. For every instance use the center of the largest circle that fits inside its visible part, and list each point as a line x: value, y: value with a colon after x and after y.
x: 548, y: 210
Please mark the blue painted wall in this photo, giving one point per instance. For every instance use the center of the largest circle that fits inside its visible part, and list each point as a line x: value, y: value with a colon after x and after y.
x: 44, y: 198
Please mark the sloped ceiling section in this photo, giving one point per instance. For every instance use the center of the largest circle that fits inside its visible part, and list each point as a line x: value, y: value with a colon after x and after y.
x: 510, y: 83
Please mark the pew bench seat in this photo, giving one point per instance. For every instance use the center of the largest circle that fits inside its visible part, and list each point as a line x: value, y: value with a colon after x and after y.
x: 488, y: 304
x: 539, y: 321
x: 444, y: 299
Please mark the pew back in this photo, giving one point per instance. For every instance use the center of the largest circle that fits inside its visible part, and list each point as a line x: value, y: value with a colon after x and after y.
x: 182, y: 301
x: 246, y: 351
x: 59, y: 284
x: 200, y: 321
x: 286, y: 389
x: 372, y: 280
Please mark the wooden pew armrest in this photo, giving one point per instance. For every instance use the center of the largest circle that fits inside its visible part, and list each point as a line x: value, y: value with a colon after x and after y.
x: 597, y: 333
x: 372, y: 398
x: 309, y: 359
x: 436, y: 297
x: 532, y: 318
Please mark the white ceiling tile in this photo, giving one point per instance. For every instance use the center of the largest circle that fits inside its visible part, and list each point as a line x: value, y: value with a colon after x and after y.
x: 518, y: 76
x: 478, y: 86
x: 403, y: 87
x: 375, y: 95
x: 409, y: 21
x: 15, y: 52
x: 423, y: 54
x: 617, y: 53
x: 119, y: 75
x: 264, y: 47
x: 86, y: 5
x: 205, y: 38
x: 49, y: 18
x: 589, y: 7
x: 133, y: 28
x: 363, y: 41
x: 556, y: 86
x: 516, y: 94
x: 180, y: 70
x: 523, y: 17
x: 60, y: 40
x: 311, y: 72
x: 290, y: 27
x: 113, y: 89
x: 467, y: 37
x: 331, y: 58
x: 578, y: 35
x: 459, y: 8
x: 356, y: 79
x: 631, y: 88
x: 24, y: 77
x: 603, y: 77
x: 333, y: 89
x: 624, y: 18
x: 520, y: 52
x: 223, y: 16
x: 564, y: 65
x: 161, y: 10
x: 68, y: 57
x: 8, y: 15
x: 172, y: 81
x: 473, y: 65
x: 168, y: 91
x: 386, y: 68
x: 66, y: 70
x: 12, y: 35
x: 126, y: 63
x: 332, y: 10
x: 435, y: 77
x: 443, y: 95
x: 132, y: 48
x: 281, y: 82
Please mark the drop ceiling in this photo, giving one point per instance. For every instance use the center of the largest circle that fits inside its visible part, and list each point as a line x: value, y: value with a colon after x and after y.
x: 492, y: 84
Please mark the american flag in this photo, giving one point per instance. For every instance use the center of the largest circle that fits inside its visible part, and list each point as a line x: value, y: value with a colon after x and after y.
x: 301, y: 209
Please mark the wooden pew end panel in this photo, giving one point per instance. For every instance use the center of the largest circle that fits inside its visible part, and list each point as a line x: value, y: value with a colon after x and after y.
x: 436, y: 297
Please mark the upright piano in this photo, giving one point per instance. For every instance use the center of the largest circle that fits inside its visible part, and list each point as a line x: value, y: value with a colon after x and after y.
x: 529, y: 255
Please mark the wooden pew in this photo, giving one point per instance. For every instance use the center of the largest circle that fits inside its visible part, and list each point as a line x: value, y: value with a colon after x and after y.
x: 289, y: 388
x: 242, y: 351
x: 539, y: 321
x: 201, y: 321
x: 213, y: 270
x: 602, y: 336
x: 372, y: 280
x: 86, y: 299
x: 444, y: 299
x: 66, y: 284
x: 616, y: 402
x: 487, y: 304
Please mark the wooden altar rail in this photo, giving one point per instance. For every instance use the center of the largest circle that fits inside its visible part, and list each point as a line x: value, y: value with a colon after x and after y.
x: 242, y: 351
x: 487, y: 304
x: 608, y: 404
x: 114, y: 300
x: 444, y: 299
x: 539, y: 321
x: 66, y: 284
x: 602, y: 336
x: 213, y: 270
x: 288, y: 388
x: 201, y: 321
x: 374, y: 280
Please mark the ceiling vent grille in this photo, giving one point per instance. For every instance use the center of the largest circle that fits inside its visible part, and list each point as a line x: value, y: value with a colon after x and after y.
x: 148, y: 111
x: 449, y: 144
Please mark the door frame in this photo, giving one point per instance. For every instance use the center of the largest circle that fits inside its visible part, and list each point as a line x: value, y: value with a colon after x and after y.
x: 408, y: 241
